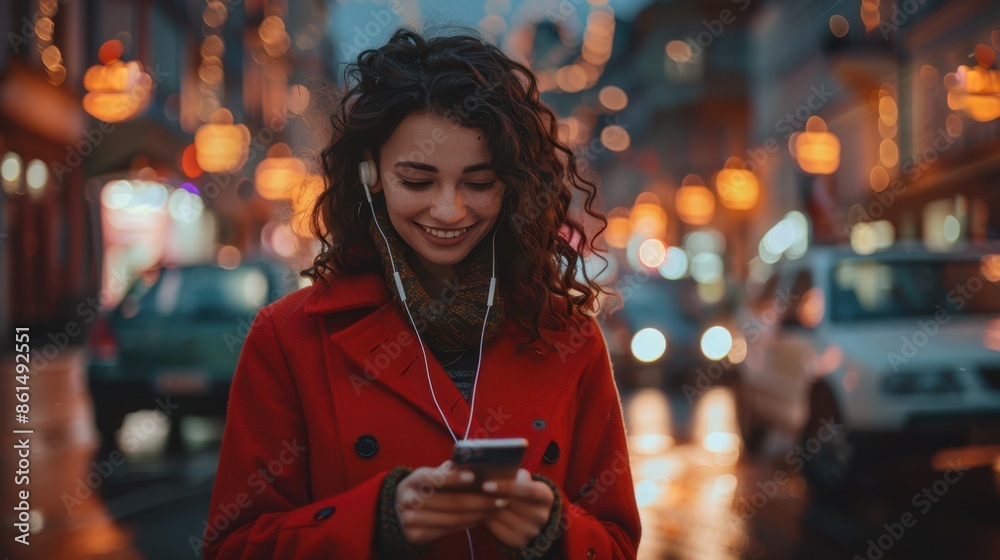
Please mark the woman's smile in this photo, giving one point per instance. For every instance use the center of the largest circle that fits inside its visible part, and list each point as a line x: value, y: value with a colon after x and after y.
x: 444, y: 237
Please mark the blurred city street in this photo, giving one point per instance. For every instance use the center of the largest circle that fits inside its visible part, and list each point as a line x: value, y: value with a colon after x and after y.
x: 803, y: 224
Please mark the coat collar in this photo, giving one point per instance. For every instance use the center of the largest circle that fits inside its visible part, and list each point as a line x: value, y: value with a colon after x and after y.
x: 385, y: 351
x: 347, y: 291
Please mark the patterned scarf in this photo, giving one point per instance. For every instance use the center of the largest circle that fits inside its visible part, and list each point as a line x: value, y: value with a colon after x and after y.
x: 454, y: 321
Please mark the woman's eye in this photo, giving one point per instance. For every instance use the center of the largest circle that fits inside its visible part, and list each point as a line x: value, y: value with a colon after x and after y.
x: 414, y: 184
x: 482, y: 186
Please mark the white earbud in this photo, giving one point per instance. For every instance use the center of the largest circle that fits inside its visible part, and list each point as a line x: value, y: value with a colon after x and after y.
x: 368, y: 173
x: 369, y: 176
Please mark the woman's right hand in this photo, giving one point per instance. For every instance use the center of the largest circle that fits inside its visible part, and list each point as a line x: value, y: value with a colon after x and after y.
x: 432, y: 502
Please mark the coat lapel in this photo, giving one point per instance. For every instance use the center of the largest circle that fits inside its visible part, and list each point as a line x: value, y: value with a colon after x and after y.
x: 385, y: 351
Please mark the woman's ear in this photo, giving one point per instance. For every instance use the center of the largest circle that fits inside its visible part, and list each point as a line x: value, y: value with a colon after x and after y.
x: 377, y: 187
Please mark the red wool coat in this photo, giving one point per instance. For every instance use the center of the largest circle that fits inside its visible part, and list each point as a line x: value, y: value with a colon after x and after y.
x: 330, y: 393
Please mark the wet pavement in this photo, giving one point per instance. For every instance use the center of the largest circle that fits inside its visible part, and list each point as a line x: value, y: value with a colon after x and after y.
x: 700, y: 495
x: 702, y: 499
x: 66, y: 520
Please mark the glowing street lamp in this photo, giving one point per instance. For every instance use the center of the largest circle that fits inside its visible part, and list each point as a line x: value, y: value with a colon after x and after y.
x: 648, y: 217
x: 816, y: 149
x: 738, y: 188
x: 222, y: 147
x: 694, y: 203
x: 116, y: 90
x: 976, y: 91
x: 276, y: 176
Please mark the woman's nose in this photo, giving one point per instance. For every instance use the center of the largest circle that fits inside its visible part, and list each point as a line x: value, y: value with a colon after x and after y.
x: 448, y: 207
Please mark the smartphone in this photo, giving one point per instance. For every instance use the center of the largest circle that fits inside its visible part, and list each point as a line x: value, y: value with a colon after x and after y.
x: 498, y: 458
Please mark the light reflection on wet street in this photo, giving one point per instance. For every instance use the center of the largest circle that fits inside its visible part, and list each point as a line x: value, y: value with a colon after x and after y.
x: 700, y: 498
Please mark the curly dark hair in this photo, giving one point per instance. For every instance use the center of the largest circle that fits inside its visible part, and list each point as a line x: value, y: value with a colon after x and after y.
x: 472, y: 82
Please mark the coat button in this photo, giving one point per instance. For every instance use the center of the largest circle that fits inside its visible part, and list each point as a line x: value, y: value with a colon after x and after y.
x: 538, y: 424
x: 366, y: 446
x: 324, y: 513
x: 551, y: 453
x: 590, y: 553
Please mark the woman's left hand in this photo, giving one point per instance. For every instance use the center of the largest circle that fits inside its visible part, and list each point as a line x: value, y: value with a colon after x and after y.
x: 530, y: 503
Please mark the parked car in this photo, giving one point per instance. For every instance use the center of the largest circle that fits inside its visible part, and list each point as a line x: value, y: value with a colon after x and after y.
x: 655, y: 338
x: 866, y: 357
x: 173, y: 341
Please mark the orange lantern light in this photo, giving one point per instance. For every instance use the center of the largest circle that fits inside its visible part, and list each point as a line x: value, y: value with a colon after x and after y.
x: 976, y: 91
x: 280, y: 174
x: 694, y: 203
x: 738, y: 188
x: 222, y: 147
x: 816, y: 149
x: 116, y: 90
x: 648, y: 217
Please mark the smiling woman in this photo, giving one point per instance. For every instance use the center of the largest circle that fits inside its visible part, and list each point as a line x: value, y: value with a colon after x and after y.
x: 465, y: 244
x: 458, y: 131
x: 444, y: 206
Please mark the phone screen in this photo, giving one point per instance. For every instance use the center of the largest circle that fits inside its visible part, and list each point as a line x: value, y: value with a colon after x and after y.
x: 495, y: 459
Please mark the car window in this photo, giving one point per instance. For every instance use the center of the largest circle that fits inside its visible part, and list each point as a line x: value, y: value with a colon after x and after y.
x: 675, y: 299
x: 202, y: 292
x: 876, y: 289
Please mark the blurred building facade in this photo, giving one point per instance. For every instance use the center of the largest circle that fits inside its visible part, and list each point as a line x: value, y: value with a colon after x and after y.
x: 883, y: 78
x: 949, y: 150
x: 651, y: 103
x: 62, y: 242
x: 685, y: 70
x: 710, y: 80
x: 45, y: 252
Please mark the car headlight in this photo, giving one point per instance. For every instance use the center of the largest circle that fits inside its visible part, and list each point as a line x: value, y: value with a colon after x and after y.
x: 921, y: 382
x: 716, y: 343
x: 648, y: 345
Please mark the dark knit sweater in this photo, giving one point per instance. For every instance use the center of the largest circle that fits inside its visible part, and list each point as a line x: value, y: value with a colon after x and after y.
x: 461, y: 368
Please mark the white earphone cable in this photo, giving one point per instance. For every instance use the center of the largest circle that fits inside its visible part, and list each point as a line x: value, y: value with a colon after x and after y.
x: 482, y: 337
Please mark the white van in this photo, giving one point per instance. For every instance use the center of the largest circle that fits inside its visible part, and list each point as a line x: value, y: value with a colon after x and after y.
x: 868, y: 356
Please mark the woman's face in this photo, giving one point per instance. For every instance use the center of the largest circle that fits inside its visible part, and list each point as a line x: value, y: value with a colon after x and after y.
x: 441, y: 191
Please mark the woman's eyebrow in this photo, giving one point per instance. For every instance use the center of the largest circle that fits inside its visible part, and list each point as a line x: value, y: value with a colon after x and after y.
x: 425, y: 167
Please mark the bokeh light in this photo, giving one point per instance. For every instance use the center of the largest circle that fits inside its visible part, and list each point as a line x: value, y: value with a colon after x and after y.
x: 675, y: 266
x: 694, y: 202
x: 36, y: 174
x: 616, y: 138
x: 648, y: 345
x: 652, y: 253
x: 864, y: 239
x: 839, y: 25
x: 707, y: 268
x: 679, y: 51
x: 613, y: 98
x: 716, y: 343
x: 952, y: 229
